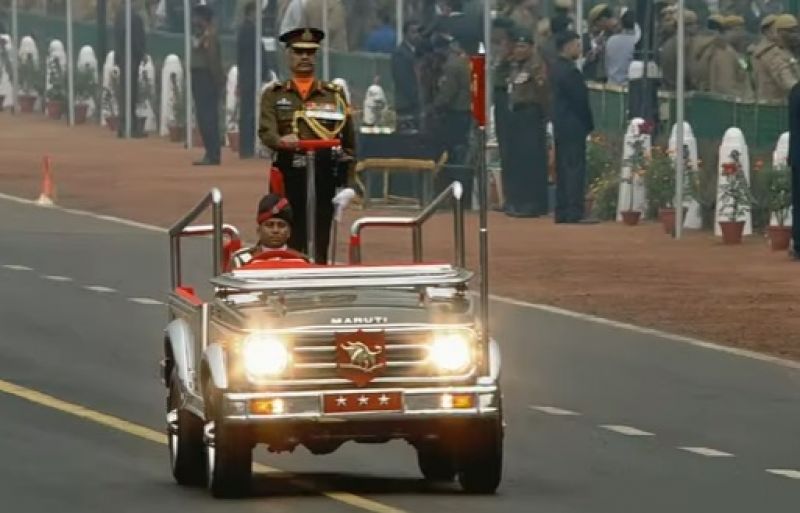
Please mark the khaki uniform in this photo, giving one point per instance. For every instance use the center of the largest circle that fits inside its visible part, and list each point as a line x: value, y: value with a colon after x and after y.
x: 729, y: 74
x: 698, y: 57
x: 775, y: 71
x: 326, y: 110
x: 525, y: 176
x: 669, y: 64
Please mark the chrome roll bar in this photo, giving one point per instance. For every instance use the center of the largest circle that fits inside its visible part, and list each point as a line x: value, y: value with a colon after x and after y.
x: 455, y: 191
x: 216, y: 229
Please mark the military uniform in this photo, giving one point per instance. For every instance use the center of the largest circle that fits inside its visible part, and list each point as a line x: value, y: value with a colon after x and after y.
x: 525, y: 178
x: 775, y: 69
x: 323, y: 113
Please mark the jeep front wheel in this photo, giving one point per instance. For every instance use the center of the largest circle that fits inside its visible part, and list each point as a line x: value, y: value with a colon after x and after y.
x: 229, y: 457
x: 481, y: 468
x: 436, y: 464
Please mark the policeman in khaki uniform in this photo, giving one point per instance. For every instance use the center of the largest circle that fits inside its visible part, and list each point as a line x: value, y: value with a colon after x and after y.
x: 728, y: 69
x: 306, y: 108
x: 775, y: 69
x: 525, y: 178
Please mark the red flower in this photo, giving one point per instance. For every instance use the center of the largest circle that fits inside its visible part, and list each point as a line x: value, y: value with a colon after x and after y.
x: 646, y: 127
x: 729, y: 168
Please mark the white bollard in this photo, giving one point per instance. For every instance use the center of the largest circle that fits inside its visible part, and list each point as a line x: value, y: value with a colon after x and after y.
x: 694, y: 215
x: 6, y: 82
x: 28, y: 49
x: 147, y: 95
x: 109, y: 103
x: 639, y: 198
x: 733, y: 140
x: 231, y: 103
x: 55, y: 52
x: 87, y: 63
x: 374, y: 106
x: 172, y: 66
x: 780, y: 158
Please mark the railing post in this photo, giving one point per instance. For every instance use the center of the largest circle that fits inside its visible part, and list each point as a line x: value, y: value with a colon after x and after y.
x: 416, y: 242
x: 216, y: 221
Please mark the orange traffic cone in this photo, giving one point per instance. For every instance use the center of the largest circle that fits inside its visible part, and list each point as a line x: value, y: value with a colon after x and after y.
x: 48, y: 190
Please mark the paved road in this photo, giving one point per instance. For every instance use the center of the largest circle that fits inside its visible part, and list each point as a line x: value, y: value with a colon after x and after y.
x: 600, y: 419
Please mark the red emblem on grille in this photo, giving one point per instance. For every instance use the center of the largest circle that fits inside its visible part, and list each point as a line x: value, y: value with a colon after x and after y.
x: 360, y: 356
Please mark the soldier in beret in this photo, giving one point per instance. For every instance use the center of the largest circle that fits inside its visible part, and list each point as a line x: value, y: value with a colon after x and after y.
x: 274, y: 218
x: 307, y: 108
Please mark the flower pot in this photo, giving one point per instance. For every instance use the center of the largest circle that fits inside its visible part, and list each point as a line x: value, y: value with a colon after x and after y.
x: 176, y: 133
x: 55, y: 108
x: 233, y: 141
x: 731, y: 231
x: 197, y: 138
x: 667, y: 218
x: 779, y: 237
x: 631, y: 217
x: 81, y: 110
x: 112, y: 122
x: 26, y: 103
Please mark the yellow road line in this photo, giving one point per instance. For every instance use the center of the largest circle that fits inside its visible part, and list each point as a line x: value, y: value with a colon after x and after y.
x: 161, y: 438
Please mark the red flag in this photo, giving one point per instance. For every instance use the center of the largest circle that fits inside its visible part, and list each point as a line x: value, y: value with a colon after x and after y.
x: 478, y: 87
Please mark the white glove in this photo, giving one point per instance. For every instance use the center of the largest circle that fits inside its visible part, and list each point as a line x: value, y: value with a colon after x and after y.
x: 340, y: 202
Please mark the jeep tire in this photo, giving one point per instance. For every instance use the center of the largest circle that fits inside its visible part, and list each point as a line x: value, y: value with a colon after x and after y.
x: 481, y: 467
x: 436, y: 463
x: 229, y: 456
x: 185, y: 439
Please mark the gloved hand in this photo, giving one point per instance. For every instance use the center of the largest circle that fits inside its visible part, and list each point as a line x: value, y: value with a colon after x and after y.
x: 340, y: 202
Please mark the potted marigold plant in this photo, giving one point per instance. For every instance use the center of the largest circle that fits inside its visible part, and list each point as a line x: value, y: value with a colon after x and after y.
x: 85, y: 89
x: 30, y: 82
x: 778, y: 202
x: 56, y: 95
x: 660, y: 184
x: 637, y: 164
x: 736, y: 199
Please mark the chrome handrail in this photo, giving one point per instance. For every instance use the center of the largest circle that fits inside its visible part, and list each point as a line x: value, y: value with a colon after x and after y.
x: 182, y: 229
x: 455, y: 191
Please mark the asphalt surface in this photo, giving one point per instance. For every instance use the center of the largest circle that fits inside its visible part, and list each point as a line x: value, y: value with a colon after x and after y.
x: 600, y: 419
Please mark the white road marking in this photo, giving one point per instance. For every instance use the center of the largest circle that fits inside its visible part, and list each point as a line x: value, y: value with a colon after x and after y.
x: 14, y: 267
x: 552, y: 410
x: 707, y: 451
x: 753, y: 355
x: 791, y: 474
x: 626, y: 430
x: 99, y: 288
x: 54, y: 277
x: 502, y: 299
x: 145, y: 301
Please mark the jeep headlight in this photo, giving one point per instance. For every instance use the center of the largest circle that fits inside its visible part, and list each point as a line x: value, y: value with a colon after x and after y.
x: 265, y: 355
x: 451, y: 351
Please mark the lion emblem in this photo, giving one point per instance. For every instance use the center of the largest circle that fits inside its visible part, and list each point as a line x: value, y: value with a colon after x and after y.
x: 361, y: 356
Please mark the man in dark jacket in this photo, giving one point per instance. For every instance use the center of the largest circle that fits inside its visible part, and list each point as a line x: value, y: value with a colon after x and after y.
x: 246, y: 64
x: 137, y: 56
x: 572, y: 123
x: 208, y: 81
x: 464, y: 27
x: 794, y: 162
x: 406, y: 82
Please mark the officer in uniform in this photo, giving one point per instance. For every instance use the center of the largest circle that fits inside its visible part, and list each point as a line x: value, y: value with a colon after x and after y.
x: 525, y: 178
x: 775, y: 67
x: 307, y: 108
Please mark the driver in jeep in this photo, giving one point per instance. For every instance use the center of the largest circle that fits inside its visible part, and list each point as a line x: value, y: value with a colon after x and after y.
x: 274, y: 220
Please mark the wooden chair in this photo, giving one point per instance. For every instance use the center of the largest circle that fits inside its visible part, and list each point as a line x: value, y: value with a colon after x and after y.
x: 425, y: 170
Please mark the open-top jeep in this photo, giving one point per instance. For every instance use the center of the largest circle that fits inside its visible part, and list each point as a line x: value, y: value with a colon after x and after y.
x: 288, y: 353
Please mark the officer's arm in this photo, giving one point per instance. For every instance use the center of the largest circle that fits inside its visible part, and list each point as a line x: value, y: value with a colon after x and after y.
x: 348, y: 137
x: 781, y: 68
x: 268, y: 124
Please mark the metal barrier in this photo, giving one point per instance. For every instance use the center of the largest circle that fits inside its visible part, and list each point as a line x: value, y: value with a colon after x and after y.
x: 455, y: 191
x: 182, y: 229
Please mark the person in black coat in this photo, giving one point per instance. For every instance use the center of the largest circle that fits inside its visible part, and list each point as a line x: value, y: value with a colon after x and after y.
x: 246, y: 63
x: 406, y: 82
x: 572, y: 123
x: 794, y: 163
x: 138, y: 50
x: 464, y: 27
